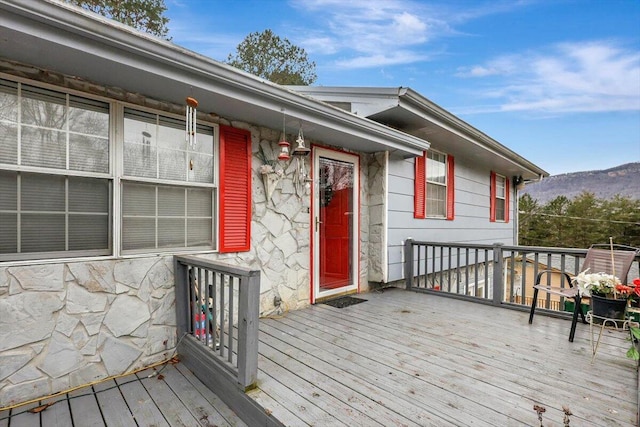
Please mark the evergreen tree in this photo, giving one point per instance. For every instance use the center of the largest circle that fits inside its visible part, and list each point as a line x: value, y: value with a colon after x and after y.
x: 268, y: 56
x: 579, y: 222
x: 144, y: 15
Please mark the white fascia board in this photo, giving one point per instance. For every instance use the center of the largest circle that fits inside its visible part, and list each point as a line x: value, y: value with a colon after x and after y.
x: 419, y: 105
x: 381, y: 99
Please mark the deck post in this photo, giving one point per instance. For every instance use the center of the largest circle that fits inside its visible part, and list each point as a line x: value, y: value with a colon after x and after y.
x: 182, y: 297
x: 408, y: 263
x: 249, y: 303
x: 498, y: 284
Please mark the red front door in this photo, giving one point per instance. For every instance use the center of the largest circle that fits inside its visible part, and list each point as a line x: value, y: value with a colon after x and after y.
x: 336, y: 211
x: 335, y: 247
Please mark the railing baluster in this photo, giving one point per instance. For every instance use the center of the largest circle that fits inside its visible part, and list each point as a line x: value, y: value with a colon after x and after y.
x: 512, y: 274
x: 214, y: 319
x: 418, y: 273
x: 230, y: 333
x: 223, y: 282
x: 449, y: 271
x: 441, y: 267
x: 466, y: 272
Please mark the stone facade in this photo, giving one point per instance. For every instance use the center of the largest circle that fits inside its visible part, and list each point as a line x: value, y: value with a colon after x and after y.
x: 377, y: 172
x: 65, y: 324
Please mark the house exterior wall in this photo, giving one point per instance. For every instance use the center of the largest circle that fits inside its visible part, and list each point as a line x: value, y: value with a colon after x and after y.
x: 65, y: 323
x: 377, y: 165
x: 471, y: 222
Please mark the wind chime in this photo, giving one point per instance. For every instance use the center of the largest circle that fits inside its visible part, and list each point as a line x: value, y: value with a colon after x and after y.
x: 190, y: 119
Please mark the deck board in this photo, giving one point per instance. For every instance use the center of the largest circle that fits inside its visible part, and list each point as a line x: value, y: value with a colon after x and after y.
x: 84, y: 408
x: 404, y: 358
x: 21, y: 417
x: 172, y: 408
x: 179, y: 399
x: 140, y: 403
x: 57, y: 415
x: 113, y: 406
x: 194, y: 401
x: 361, y: 402
x: 230, y: 417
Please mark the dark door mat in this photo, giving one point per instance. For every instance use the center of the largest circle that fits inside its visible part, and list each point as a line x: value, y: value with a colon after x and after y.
x: 343, y: 302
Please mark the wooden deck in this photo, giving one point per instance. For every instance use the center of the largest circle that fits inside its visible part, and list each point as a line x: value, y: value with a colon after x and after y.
x: 409, y: 359
x: 178, y: 399
x: 399, y: 359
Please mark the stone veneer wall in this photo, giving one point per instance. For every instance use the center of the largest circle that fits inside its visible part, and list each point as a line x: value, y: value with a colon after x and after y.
x: 377, y: 172
x: 69, y: 323
x: 65, y: 324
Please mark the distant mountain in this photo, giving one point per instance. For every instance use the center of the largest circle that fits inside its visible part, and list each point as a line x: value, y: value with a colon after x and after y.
x: 623, y: 180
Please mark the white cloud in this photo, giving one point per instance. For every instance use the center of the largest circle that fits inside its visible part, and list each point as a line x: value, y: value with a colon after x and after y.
x: 569, y: 77
x: 371, y: 33
x: 376, y: 60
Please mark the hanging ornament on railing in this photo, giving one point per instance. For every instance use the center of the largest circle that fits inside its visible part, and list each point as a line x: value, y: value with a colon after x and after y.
x: 192, y: 104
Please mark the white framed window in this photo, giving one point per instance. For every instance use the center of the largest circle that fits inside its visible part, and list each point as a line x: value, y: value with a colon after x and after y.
x: 56, y: 189
x: 501, y: 198
x: 60, y: 158
x: 436, y: 175
x: 168, y: 187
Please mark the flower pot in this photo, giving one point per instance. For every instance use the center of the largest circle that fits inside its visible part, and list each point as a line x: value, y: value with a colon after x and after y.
x: 608, y: 308
x: 570, y: 305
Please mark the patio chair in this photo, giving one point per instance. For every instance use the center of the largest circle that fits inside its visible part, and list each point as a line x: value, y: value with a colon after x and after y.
x: 598, y: 260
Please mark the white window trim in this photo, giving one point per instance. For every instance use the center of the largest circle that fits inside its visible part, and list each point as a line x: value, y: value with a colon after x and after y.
x: 122, y: 178
x: 503, y: 198
x: 443, y: 185
x: 116, y: 176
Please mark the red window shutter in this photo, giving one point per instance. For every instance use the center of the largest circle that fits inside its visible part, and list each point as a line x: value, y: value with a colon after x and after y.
x: 451, y: 202
x: 506, y: 200
x: 420, y: 188
x: 235, y: 190
x: 492, y: 195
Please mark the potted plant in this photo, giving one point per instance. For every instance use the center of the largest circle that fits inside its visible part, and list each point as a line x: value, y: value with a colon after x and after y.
x: 633, y: 291
x: 607, y: 300
x: 634, y: 329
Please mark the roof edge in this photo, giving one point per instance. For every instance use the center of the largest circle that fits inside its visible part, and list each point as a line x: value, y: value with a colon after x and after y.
x: 473, y: 134
x: 262, y: 92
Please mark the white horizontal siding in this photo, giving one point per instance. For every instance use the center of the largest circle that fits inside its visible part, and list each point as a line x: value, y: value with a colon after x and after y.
x: 471, y: 223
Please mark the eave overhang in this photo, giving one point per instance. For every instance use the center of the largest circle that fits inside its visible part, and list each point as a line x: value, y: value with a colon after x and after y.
x: 59, y: 37
x: 407, y: 110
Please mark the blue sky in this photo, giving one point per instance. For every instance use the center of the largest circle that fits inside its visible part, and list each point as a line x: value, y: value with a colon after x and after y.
x: 557, y: 81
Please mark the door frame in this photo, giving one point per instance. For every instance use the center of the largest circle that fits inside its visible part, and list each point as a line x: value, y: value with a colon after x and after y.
x: 339, y: 155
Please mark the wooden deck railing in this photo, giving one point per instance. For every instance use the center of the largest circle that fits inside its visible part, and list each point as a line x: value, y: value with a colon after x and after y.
x: 217, y: 308
x: 492, y: 274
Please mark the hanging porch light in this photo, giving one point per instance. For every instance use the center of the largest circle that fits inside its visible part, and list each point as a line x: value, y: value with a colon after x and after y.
x: 284, y: 145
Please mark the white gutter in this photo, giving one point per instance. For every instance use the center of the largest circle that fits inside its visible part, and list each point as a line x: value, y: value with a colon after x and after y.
x: 455, y: 125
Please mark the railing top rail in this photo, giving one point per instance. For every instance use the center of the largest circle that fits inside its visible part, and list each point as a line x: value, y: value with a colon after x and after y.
x: 453, y: 245
x: 217, y: 266
x: 546, y: 249
x: 525, y: 249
